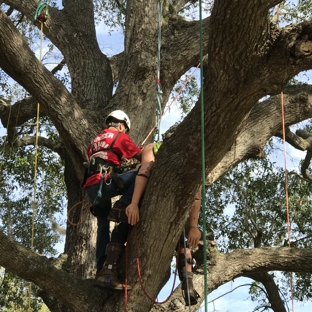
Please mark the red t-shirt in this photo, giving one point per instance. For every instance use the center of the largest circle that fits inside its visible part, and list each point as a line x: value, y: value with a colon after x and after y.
x: 123, y: 146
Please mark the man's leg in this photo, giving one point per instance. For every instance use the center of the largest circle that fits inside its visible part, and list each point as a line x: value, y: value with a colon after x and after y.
x: 186, y: 274
x: 101, y: 242
x: 100, y: 209
x: 117, y: 213
x: 108, y: 275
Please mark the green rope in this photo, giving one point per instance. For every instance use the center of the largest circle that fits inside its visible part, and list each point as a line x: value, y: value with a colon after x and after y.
x: 203, y: 214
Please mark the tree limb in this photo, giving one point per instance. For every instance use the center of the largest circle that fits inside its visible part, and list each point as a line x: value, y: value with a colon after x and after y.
x: 63, y: 110
x: 73, y: 292
x: 255, y: 132
x: 42, y: 141
x: 272, y: 290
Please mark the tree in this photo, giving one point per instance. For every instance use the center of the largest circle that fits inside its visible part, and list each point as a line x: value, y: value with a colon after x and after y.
x: 249, y: 58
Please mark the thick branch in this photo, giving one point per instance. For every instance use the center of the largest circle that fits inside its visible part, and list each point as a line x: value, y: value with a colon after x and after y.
x: 277, y: 304
x: 294, y: 140
x: 76, y: 294
x: 23, y: 110
x: 264, y: 122
x: 16, y: 58
x: 116, y: 62
x: 72, y: 31
x: 289, y: 51
x: 244, y: 262
x: 177, y: 33
x: 17, y: 114
x: 30, y: 140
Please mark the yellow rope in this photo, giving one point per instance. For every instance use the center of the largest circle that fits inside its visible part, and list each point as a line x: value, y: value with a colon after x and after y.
x: 4, y: 142
x: 34, y: 204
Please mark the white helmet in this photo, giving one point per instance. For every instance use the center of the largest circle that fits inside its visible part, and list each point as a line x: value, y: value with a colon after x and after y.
x: 120, y: 116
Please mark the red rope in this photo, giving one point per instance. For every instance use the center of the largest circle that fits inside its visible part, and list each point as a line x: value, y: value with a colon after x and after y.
x: 127, y: 271
x: 140, y: 276
x: 174, y: 99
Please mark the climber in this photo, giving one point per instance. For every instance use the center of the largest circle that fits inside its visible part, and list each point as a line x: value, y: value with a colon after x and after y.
x: 104, y: 179
x: 185, y: 254
x: 194, y: 234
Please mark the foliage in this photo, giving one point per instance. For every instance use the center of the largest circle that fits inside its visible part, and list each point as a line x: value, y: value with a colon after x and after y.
x: 17, y: 207
x: 294, y: 12
x: 186, y: 91
x: 111, y: 13
x: 14, y: 295
x: 247, y: 206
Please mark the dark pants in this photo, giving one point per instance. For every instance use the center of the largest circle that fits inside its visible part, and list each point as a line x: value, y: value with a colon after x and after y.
x: 120, y: 233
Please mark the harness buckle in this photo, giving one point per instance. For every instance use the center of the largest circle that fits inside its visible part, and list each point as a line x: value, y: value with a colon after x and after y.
x: 105, y: 171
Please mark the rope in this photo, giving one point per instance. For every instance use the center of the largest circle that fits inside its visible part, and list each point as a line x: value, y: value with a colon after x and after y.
x: 42, y: 11
x: 34, y: 203
x: 127, y: 271
x: 84, y: 219
x: 286, y: 194
x: 139, y: 273
x: 40, y: 7
x: 175, y: 97
x: 158, y: 86
x: 203, y: 214
x: 278, y: 9
x: 186, y: 273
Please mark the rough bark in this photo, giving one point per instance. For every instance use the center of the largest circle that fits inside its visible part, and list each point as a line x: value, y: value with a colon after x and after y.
x: 265, y: 121
x: 249, y: 58
x: 80, y: 295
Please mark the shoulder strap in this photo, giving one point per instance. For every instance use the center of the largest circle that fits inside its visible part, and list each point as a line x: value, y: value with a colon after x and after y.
x: 111, y: 147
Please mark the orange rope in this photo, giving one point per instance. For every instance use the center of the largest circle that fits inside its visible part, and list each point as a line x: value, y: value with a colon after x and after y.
x: 286, y: 194
x: 174, y: 99
x: 84, y: 219
x: 139, y: 273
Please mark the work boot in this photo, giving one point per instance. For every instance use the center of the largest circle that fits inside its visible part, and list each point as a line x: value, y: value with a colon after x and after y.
x: 188, y: 290
x: 97, y: 274
x: 117, y: 213
x: 108, y: 275
x: 108, y: 278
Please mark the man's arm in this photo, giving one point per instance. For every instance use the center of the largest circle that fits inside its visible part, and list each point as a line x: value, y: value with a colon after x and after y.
x: 147, y: 162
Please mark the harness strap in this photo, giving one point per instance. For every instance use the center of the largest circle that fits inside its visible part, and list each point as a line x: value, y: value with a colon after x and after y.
x: 110, y: 149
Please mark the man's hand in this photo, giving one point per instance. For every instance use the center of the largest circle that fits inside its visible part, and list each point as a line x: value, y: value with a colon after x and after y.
x: 132, y: 212
x: 194, y: 236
